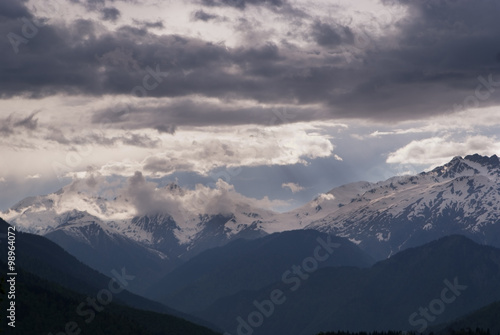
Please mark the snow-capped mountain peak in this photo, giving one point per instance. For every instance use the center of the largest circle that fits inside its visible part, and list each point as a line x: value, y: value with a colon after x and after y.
x: 461, y: 196
x: 168, y: 219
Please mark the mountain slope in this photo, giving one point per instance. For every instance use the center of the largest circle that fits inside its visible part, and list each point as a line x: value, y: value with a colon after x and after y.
x: 461, y: 197
x: 483, y: 318
x: 111, y: 233
x: 85, y: 237
x: 383, y: 297
x: 248, y: 265
x: 45, y: 259
x: 46, y: 307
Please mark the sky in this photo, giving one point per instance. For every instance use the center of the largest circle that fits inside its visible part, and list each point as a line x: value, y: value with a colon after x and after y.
x: 280, y: 99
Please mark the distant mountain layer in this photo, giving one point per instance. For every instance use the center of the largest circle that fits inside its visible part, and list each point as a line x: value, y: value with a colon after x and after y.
x: 43, y: 307
x: 251, y: 265
x: 45, y: 259
x: 414, y: 290
x: 460, y: 197
x: 487, y: 318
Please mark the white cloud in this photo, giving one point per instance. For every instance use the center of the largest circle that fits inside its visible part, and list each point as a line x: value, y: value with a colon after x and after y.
x: 293, y: 187
x: 147, y: 198
x: 205, y: 148
x: 33, y: 176
x: 2, y: 180
x: 128, y: 197
x: 470, y: 120
x: 65, y: 146
x: 438, y: 150
x: 322, y: 198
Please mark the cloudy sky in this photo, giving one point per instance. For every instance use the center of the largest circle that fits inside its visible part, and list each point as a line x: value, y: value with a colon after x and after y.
x: 281, y: 99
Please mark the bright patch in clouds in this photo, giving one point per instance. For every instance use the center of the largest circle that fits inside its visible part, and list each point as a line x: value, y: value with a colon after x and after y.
x: 62, y: 152
x: 293, y: 187
x: 320, y: 93
x: 436, y: 150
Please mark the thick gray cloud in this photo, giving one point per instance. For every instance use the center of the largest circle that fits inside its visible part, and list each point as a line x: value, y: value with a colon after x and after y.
x: 242, y: 3
x: 28, y: 122
x: 110, y: 14
x: 330, y: 36
x: 107, y: 13
x: 101, y: 139
x: 12, y: 9
x: 149, y: 24
x: 188, y: 112
x: 10, y: 123
x: 442, y: 48
x: 201, y: 15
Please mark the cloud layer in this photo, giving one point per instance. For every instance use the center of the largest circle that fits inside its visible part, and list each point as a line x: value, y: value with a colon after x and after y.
x: 344, y: 91
x: 330, y: 62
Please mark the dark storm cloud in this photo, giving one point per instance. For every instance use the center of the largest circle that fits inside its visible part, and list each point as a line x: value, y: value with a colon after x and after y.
x: 96, y: 5
x: 110, y: 14
x: 201, y: 15
x: 81, y: 59
x: 143, y: 141
x: 330, y: 36
x: 155, y: 164
x: 149, y: 24
x: 107, y: 13
x: 6, y: 126
x: 13, y: 9
x: 442, y: 48
x: 28, y: 122
x: 187, y: 112
x: 241, y: 4
x: 93, y: 138
x: 10, y: 123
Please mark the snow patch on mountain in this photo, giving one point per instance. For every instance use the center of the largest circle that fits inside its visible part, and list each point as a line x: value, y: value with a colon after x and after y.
x: 462, y: 196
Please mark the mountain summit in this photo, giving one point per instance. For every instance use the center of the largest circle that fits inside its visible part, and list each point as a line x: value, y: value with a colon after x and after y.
x: 460, y: 197
x: 168, y: 224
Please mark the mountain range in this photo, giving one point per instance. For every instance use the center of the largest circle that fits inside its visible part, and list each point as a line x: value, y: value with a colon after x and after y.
x: 483, y: 318
x: 342, y: 290
x: 411, y: 291
x: 52, y: 288
x: 460, y: 197
x: 249, y: 265
x: 363, y: 256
